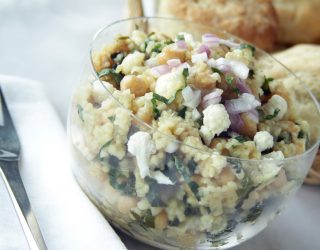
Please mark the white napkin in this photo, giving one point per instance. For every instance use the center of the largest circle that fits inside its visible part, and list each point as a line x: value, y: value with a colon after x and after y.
x: 67, y: 218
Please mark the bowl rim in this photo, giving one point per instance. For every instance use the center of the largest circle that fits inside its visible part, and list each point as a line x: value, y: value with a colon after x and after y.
x: 315, y: 145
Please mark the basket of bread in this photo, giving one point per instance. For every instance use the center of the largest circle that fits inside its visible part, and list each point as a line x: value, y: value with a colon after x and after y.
x: 288, y: 29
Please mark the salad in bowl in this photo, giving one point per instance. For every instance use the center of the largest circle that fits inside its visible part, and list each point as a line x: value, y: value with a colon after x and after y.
x: 181, y: 136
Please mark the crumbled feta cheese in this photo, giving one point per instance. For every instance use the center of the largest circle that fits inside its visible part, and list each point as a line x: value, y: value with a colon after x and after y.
x: 212, y: 166
x: 167, y: 85
x: 215, y: 121
x: 130, y: 61
x: 141, y: 145
x: 276, y: 102
x: 275, y: 155
x: 172, y: 147
x: 161, y: 178
x: 192, y: 97
x: 202, y: 57
x: 195, y: 115
x: 263, y: 140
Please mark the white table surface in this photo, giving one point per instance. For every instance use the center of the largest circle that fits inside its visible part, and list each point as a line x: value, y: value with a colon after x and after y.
x: 47, y: 40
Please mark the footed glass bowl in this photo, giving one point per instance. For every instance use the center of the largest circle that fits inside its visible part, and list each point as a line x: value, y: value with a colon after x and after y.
x: 195, y: 212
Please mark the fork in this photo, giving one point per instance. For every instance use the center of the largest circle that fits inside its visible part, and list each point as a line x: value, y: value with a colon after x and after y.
x: 9, y: 170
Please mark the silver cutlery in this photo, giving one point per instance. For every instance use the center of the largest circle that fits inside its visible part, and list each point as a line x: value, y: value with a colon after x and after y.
x: 9, y: 170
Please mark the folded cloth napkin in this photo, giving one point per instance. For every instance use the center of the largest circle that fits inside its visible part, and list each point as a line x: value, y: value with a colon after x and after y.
x: 66, y: 217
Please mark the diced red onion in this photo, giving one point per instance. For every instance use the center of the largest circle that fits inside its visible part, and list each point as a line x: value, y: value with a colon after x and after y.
x: 243, y: 87
x: 212, y: 40
x: 204, y: 48
x: 160, y: 70
x: 203, y: 57
x: 253, y: 115
x: 181, y: 44
x: 212, y: 98
x: 173, y: 63
x: 239, y: 69
x: 242, y: 104
x: 236, y: 122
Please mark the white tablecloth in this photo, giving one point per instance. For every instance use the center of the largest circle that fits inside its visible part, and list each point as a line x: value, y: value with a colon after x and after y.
x: 47, y: 40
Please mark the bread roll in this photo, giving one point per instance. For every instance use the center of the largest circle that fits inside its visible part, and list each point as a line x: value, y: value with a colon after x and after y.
x: 252, y: 20
x: 298, y: 20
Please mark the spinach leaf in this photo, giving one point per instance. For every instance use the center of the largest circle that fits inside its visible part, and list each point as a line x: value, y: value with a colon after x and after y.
x: 80, y: 112
x: 285, y: 136
x: 248, y: 46
x: 189, y: 209
x: 254, y: 213
x: 275, y: 113
x: 107, y: 144
x: 153, y: 195
x: 183, y: 170
x: 116, y: 77
x: 118, y: 181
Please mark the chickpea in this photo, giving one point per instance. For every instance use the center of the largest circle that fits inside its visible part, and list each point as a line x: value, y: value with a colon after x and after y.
x: 125, y: 203
x: 171, y: 53
x: 137, y: 85
x: 249, y: 128
x: 161, y: 220
x: 225, y: 176
x: 214, y: 143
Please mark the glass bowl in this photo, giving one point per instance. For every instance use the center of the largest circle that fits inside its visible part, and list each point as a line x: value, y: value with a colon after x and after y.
x: 195, y: 212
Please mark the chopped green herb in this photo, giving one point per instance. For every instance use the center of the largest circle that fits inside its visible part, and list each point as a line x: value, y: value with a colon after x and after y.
x: 155, y: 109
x: 157, y: 48
x: 265, y: 86
x: 156, y: 97
x: 217, y: 71
x: 180, y: 37
x: 146, y: 220
x: 275, y: 113
x: 229, y: 80
x: 241, y: 138
x: 254, y: 213
x: 248, y: 46
x: 112, y: 118
x: 185, y: 73
x: 182, y: 112
x: 153, y: 194
x: 117, y: 77
x: 151, y: 33
x: 80, y: 112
